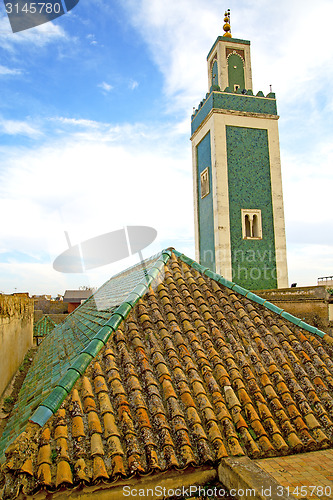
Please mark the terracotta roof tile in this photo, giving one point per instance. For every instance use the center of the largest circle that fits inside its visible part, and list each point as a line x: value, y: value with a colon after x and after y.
x: 196, y: 372
x: 27, y: 467
x: 44, y: 475
x: 64, y: 473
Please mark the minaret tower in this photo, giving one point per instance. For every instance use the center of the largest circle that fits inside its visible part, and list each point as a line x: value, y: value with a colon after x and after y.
x: 238, y: 203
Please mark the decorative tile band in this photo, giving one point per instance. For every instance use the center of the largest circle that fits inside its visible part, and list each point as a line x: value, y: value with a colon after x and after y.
x: 235, y: 101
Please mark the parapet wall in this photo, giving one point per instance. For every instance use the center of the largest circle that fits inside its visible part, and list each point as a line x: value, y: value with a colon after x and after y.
x: 16, y: 334
x: 311, y: 304
x: 239, y: 101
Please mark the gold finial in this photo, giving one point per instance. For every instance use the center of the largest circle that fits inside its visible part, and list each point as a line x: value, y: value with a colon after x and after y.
x: 226, y: 26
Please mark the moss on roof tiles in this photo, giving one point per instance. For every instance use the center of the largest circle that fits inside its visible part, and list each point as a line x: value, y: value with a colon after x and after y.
x: 63, y: 346
x: 250, y: 295
x: 195, y: 372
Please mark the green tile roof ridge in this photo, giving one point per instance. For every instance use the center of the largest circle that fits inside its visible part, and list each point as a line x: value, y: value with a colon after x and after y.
x: 249, y: 295
x: 57, y: 396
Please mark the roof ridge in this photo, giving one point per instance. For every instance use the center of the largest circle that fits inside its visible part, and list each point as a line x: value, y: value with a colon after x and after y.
x: 254, y: 297
x: 61, y: 390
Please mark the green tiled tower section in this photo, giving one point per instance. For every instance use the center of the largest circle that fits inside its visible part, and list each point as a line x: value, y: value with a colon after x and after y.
x: 249, y: 184
x: 236, y: 101
x: 205, y: 207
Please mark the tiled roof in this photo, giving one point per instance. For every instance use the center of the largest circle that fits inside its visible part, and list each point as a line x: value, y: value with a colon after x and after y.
x: 191, y: 372
x: 63, y: 346
x: 43, y: 326
x: 77, y: 295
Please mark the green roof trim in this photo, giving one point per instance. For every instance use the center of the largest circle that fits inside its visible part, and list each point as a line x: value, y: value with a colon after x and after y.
x: 43, y: 326
x: 94, y: 347
x: 81, y: 363
x: 249, y: 295
x: 104, y: 333
x: 69, y: 379
x: 240, y: 289
x: 55, y: 399
x: 255, y: 298
x: 273, y: 307
x: 291, y: 317
x: 42, y: 414
x: 124, y: 309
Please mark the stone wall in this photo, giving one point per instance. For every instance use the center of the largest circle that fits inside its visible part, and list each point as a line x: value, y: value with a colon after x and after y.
x: 16, y: 334
x: 311, y: 304
x: 50, y: 306
x: 57, y: 318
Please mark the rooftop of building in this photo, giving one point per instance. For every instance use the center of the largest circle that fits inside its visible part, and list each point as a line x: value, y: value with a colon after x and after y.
x: 227, y: 40
x: 168, y: 366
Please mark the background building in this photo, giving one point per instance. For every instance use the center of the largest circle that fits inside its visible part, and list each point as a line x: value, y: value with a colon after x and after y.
x: 239, y: 216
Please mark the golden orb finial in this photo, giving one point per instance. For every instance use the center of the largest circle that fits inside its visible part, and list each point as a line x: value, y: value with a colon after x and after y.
x: 226, y: 26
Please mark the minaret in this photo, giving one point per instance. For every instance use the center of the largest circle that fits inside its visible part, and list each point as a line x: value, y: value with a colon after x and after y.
x: 238, y: 202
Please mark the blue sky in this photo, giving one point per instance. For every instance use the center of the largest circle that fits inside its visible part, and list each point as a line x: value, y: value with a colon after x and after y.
x: 95, y: 124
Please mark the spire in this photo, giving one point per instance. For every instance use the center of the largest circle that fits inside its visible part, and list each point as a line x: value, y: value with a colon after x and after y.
x: 226, y: 26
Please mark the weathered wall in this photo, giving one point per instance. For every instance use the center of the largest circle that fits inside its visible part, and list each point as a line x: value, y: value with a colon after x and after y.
x: 16, y: 334
x: 50, y: 306
x: 57, y: 318
x: 310, y: 303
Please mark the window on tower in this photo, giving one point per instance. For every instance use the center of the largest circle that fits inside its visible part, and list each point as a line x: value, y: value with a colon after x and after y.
x: 251, y: 224
x: 236, y: 73
x: 204, y: 183
x: 247, y: 227
x: 214, y: 73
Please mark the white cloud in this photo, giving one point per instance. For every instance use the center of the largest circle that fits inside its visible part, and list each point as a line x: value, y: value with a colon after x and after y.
x: 92, y: 184
x: 81, y: 122
x: 91, y: 39
x: 16, y: 127
x: 8, y: 71
x: 133, y: 84
x: 105, y: 86
x: 38, y: 36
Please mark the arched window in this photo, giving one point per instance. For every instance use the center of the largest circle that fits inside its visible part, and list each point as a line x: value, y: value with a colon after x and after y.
x: 236, y: 72
x: 251, y: 224
x: 247, y: 226
x: 204, y: 183
x: 215, y: 78
x: 255, y: 226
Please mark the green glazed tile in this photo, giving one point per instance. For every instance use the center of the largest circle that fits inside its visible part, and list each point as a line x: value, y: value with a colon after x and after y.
x: 123, y: 310
x: 290, y: 318
x: 41, y: 415
x: 68, y: 380
x: 255, y: 298
x: 104, y: 334
x: 240, y: 290
x: 114, y: 321
x: 55, y: 399
x: 93, y: 347
x: 273, y: 308
x: 81, y: 363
